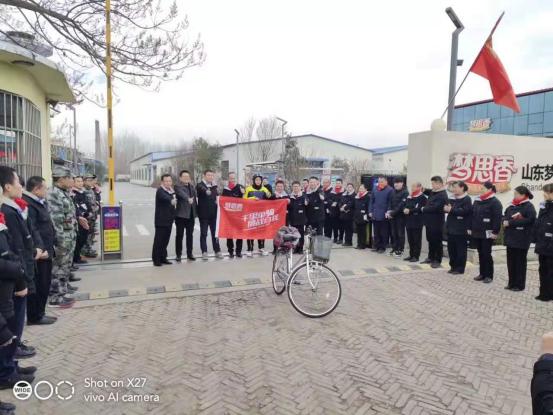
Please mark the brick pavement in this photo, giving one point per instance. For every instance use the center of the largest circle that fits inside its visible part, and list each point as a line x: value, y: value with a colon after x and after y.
x: 408, y: 343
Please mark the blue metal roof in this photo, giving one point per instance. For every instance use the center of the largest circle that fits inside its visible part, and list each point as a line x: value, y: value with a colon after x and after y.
x: 384, y: 150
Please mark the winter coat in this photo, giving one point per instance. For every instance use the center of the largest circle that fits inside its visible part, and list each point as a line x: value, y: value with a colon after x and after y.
x: 361, y: 209
x: 543, y: 230
x: 257, y: 193
x: 414, y: 219
x: 315, y: 206
x: 459, y: 219
x: 236, y: 191
x: 346, y: 205
x: 433, y: 213
x: 165, y: 211
x: 207, y: 200
x: 397, y: 203
x: 334, y: 203
x: 486, y: 216
x: 297, y: 215
x: 12, y: 278
x: 185, y: 209
x: 380, y: 203
x: 521, y: 220
x: 41, y: 220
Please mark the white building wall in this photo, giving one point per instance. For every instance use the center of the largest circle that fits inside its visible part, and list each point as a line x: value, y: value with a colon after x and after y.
x: 391, y: 163
x: 142, y: 171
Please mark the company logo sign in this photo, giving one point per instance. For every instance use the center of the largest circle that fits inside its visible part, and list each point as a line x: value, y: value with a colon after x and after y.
x: 481, y: 125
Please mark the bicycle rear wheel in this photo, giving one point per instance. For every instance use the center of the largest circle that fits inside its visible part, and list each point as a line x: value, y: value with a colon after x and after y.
x: 279, y: 273
x: 317, y: 295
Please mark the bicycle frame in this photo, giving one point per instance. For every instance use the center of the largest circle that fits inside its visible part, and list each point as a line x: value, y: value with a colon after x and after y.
x: 304, y: 259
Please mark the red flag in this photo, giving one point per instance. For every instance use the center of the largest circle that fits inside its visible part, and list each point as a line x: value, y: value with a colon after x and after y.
x: 489, y: 66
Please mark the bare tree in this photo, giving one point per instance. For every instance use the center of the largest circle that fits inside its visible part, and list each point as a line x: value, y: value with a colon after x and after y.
x: 150, y: 40
x: 259, y: 136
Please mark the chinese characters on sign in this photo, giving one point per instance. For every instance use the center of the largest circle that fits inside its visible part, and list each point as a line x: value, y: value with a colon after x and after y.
x: 480, y: 125
x: 537, y: 172
x: 111, y: 225
x: 475, y: 169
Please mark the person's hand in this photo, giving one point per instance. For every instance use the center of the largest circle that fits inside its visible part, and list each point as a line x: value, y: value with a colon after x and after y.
x: 493, y: 236
x: 38, y: 253
x: 191, y: 200
x: 10, y: 341
x: 365, y: 218
x: 406, y: 211
x: 469, y: 231
x: 447, y: 208
x: 21, y: 293
x: 506, y: 223
x: 44, y: 255
x: 242, y: 190
x: 547, y: 343
x: 288, y: 201
x: 370, y: 215
x: 83, y: 222
x: 334, y: 204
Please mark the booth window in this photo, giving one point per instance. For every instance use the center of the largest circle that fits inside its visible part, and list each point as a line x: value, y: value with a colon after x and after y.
x: 20, y: 136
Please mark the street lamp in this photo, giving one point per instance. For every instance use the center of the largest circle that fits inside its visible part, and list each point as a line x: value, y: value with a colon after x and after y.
x: 284, y: 122
x: 237, y: 154
x: 454, y: 63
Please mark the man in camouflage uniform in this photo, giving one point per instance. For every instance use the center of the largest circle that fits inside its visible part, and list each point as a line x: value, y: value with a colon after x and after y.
x: 91, y: 199
x: 62, y: 212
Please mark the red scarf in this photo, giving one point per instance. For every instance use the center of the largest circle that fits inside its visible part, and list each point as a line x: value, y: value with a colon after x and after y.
x: 338, y: 189
x: 231, y: 185
x: 416, y: 193
x: 487, y: 195
x: 381, y: 186
x: 21, y: 203
x: 2, y: 219
x: 360, y: 195
x: 518, y: 201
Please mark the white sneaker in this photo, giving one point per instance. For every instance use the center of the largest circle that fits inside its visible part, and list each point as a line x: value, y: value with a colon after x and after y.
x: 205, y: 257
x: 249, y: 254
x: 263, y: 252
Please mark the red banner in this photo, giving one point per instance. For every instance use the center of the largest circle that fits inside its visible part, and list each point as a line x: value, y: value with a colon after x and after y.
x: 250, y: 219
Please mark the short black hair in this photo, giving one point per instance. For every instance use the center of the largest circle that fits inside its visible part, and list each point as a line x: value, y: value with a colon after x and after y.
x: 78, y: 177
x: 339, y: 180
x: 398, y: 180
x: 548, y: 188
x: 296, y: 182
x: 163, y: 176
x: 437, y: 179
x: 182, y: 172
x: 208, y: 171
x: 280, y: 181
x: 305, y: 179
x: 462, y: 185
x: 382, y: 177
x: 7, y: 176
x: 314, y: 178
x: 490, y: 186
x: 524, y: 191
x: 34, y: 182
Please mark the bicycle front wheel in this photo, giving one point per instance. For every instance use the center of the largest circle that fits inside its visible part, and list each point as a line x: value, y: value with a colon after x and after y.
x: 280, y: 272
x: 317, y: 294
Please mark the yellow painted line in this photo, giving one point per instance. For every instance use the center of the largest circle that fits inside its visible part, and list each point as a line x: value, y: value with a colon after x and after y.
x: 173, y: 288
x: 404, y: 267
x: 97, y: 295
x: 137, y: 291
x: 265, y: 280
x: 425, y: 266
x: 381, y: 270
x: 238, y: 283
x: 470, y: 264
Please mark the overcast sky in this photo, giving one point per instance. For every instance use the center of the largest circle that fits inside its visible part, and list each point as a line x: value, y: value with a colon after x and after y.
x: 360, y: 71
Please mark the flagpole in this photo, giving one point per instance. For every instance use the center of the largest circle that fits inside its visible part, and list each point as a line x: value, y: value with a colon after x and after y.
x: 470, y: 69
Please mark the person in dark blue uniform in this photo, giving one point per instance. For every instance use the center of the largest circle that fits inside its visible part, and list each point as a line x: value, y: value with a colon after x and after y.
x: 543, y: 236
x: 315, y: 205
x: 459, y: 217
x: 297, y: 216
x: 486, y: 224
x: 518, y: 223
x: 397, y: 217
x: 361, y: 216
x: 434, y: 220
x: 346, y: 204
x: 414, y: 223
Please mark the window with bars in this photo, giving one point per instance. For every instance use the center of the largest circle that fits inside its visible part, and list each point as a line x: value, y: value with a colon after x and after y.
x: 20, y: 136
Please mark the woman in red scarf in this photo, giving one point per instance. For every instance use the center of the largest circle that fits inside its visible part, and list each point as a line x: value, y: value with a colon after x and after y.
x: 518, y: 222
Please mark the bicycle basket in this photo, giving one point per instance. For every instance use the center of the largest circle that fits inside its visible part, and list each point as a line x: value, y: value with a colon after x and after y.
x: 320, y: 248
x: 286, y: 238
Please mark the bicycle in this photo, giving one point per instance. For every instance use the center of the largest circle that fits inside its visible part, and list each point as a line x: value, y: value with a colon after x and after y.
x: 314, y: 289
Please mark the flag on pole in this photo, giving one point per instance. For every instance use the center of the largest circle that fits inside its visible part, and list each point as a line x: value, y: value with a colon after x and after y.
x: 489, y: 66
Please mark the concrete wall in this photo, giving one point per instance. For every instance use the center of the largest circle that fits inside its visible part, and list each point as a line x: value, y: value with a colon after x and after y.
x: 18, y: 81
x: 502, y: 159
x: 391, y: 163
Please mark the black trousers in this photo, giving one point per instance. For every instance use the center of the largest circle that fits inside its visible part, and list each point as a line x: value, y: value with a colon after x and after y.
x: 337, y: 229
x: 16, y: 323
x: 347, y: 228
x: 230, y: 246
x: 318, y: 227
x: 260, y: 244
x: 36, y: 302
x: 398, y: 233
x: 517, y: 260
x: 484, y: 247
x: 435, y: 246
x: 161, y: 240
x: 414, y: 237
x: 82, y: 236
x: 301, y: 230
x: 457, y: 247
x: 183, y: 224
x: 546, y: 276
x: 328, y: 226
x: 210, y: 224
x: 361, y: 230
x: 381, y: 234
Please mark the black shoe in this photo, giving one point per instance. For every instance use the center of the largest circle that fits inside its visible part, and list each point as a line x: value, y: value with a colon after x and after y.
x: 381, y: 251
x: 166, y: 262
x: 479, y: 278
x: 29, y: 370
x: 508, y: 288
x: 157, y: 264
x: 338, y: 242
x: 13, y: 379
x: 487, y: 280
x: 359, y: 247
x: 539, y: 297
x: 191, y: 258
x: 239, y: 255
x: 43, y: 321
x: 24, y: 352
x: 231, y: 255
x: 7, y: 408
x: 346, y: 244
x: 414, y: 260
x: 80, y: 261
x: 178, y: 259
x: 73, y: 278
x: 436, y: 265
x: 427, y: 261
x: 450, y: 271
x: 517, y: 289
x: 408, y: 258
x: 457, y: 273
x: 374, y: 249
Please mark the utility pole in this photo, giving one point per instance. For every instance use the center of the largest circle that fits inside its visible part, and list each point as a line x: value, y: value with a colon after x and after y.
x: 111, y: 164
x: 97, y: 144
x: 75, y: 161
x: 453, y: 65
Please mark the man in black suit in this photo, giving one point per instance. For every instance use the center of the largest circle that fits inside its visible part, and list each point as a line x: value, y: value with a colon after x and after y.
x: 187, y: 210
x: 166, y: 204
